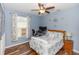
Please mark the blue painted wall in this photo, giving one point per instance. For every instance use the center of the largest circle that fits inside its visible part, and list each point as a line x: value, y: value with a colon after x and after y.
x: 34, y: 24
x: 67, y: 20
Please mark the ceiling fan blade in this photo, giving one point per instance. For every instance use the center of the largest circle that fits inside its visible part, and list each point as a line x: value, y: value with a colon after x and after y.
x: 50, y: 8
x: 39, y: 13
x: 35, y: 10
x: 43, y: 6
x: 47, y: 11
x: 39, y: 4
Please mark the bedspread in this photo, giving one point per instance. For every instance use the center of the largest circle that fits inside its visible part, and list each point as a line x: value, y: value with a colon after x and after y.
x: 45, y: 46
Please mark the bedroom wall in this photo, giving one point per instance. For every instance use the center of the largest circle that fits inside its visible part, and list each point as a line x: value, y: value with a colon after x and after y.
x: 8, y: 40
x: 67, y: 20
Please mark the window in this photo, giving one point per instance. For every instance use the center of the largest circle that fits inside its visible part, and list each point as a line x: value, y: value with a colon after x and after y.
x: 20, y: 27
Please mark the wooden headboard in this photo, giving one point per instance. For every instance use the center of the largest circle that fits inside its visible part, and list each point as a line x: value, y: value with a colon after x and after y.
x: 61, y: 31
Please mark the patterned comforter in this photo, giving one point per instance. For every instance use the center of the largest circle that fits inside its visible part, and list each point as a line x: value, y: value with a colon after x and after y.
x: 45, y: 45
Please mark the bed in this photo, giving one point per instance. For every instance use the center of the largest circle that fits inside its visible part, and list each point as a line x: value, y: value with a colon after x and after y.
x: 48, y: 44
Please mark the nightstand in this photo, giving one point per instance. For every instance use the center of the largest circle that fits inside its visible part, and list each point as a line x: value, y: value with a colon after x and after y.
x: 68, y: 47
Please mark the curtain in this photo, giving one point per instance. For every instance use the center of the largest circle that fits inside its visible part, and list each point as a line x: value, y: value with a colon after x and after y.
x: 14, y: 26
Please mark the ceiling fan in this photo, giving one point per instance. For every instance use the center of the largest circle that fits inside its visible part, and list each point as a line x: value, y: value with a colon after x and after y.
x: 42, y: 9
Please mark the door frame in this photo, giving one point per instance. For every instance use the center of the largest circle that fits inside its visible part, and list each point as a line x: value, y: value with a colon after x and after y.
x: 2, y: 44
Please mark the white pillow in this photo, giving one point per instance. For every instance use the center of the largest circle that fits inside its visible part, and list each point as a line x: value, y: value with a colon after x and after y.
x: 61, y: 35
x: 58, y: 35
x: 50, y: 35
x: 54, y: 35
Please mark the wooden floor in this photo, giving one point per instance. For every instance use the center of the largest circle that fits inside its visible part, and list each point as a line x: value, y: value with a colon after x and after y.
x: 24, y: 49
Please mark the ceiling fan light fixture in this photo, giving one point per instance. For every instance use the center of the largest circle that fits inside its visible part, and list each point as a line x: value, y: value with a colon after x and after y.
x: 42, y: 11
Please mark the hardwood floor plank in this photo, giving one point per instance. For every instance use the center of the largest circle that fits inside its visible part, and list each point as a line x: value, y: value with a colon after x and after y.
x: 15, y: 52
x: 26, y: 53
x: 24, y: 49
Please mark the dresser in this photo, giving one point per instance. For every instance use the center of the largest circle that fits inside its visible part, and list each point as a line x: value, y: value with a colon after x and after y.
x: 68, y: 47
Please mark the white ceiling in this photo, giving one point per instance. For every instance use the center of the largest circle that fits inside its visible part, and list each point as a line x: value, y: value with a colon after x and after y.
x: 27, y: 7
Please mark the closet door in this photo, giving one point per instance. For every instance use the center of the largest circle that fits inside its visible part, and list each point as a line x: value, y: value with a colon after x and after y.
x: 2, y: 34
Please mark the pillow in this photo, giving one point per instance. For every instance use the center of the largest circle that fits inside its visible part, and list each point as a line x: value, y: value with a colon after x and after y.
x: 54, y: 35
x: 50, y: 35
x: 61, y: 35
x: 58, y: 35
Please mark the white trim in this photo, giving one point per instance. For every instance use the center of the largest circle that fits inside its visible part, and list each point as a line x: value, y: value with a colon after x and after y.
x: 16, y: 44
x: 2, y: 41
x: 76, y: 51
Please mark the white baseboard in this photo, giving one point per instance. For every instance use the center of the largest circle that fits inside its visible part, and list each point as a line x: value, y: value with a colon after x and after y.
x: 16, y: 44
x: 76, y: 51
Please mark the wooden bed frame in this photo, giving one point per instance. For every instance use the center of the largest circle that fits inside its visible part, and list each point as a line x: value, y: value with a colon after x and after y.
x: 61, y: 31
